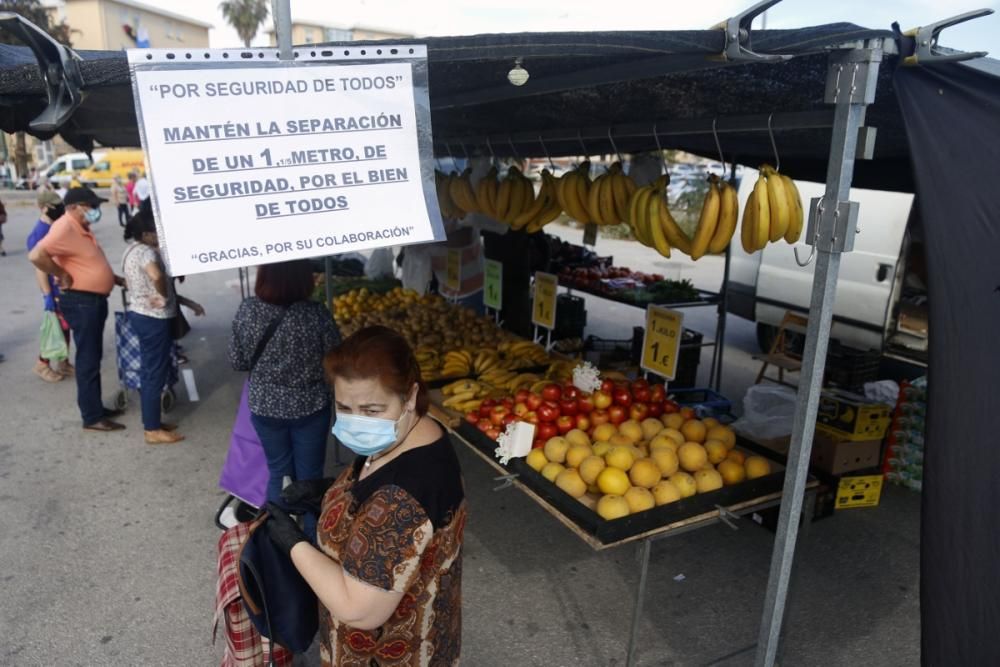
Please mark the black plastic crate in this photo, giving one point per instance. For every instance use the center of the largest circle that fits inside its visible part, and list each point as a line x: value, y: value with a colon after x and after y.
x: 571, y: 317
x: 848, y: 368
x: 687, y: 360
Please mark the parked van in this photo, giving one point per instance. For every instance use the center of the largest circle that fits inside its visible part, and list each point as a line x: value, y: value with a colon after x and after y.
x: 61, y: 170
x: 881, y: 300
x: 115, y: 162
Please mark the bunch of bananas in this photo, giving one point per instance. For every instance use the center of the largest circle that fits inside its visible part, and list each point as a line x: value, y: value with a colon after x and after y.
x: 456, y: 363
x: 450, y: 210
x: 651, y: 221
x: 608, y: 196
x: 772, y: 212
x: 717, y: 221
x: 505, y: 199
x: 461, y: 191
x: 524, y: 353
x: 544, y: 209
x: 560, y: 370
x: 429, y: 361
x: 464, y: 395
x: 573, y: 192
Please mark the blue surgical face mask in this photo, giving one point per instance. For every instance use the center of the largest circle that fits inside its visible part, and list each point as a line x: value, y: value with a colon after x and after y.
x: 93, y: 215
x: 366, y: 436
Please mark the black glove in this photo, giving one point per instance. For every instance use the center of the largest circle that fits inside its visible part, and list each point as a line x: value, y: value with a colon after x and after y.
x: 307, y: 494
x: 282, y: 529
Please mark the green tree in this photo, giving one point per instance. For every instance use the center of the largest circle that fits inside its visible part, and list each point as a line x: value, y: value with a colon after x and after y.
x: 246, y: 16
x: 33, y: 11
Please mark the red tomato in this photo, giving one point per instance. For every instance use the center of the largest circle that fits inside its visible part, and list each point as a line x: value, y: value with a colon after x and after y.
x: 498, y: 413
x: 669, y: 407
x: 522, y: 396
x: 510, y: 419
x: 567, y: 406
x: 548, y: 412
x: 640, y: 383
x: 472, y: 417
x: 571, y: 391
x: 584, y: 404
x: 607, y: 386
x: 534, y: 400
x: 531, y: 417
x: 616, y: 414
x: 657, y: 393
x: 598, y: 417
x: 638, y: 411
x: 493, y: 433
x: 583, y: 423
x: 565, y: 424
x: 538, y: 443
x: 484, y: 425
x: 655, y: 409
x: 547, y: 430
x: 622, y: 397
x: 641, y: 394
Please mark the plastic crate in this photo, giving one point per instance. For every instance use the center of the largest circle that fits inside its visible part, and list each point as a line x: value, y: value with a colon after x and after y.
x: 706, y: 402
x: 571, y: 317
x: 847, y: 368
x: 687, y: 359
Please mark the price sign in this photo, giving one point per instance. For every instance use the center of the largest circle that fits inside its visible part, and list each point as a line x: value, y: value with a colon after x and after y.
x: 453, y: 270
x: 543, y: 313
x: 590, y: 233
x: 662, y: 341
x: 493, y: 284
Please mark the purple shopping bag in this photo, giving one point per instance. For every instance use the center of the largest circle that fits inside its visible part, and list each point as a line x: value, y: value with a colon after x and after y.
x: 245, y: 473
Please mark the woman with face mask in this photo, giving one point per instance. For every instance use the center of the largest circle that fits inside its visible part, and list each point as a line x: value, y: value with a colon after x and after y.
x: 152, y: 304
x: 387, y: 566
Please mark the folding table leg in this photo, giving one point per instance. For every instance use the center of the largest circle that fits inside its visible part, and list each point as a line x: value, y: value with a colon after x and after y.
x: 644, y: 548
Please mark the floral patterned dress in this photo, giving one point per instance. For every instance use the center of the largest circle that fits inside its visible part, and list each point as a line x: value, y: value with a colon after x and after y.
x: 399, y: 529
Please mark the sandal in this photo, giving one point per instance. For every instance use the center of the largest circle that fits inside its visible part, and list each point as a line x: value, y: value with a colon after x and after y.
x: 105, y: 426
x: 162, y: 437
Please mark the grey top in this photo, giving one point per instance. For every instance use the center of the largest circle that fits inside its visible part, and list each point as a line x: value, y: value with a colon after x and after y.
x: 288, y: 381
x: 140, y: 291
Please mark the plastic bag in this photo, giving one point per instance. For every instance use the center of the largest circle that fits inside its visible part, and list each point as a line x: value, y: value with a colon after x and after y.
x: 52, y: 342
x: 768, y: 411
x: 379, y: 265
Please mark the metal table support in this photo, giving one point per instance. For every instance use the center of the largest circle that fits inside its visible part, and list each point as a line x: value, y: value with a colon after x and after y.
x: 850, y: 86
x: 645, y: 548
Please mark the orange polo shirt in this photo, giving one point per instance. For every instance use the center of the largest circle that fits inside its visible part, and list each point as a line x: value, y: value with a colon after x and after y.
x: 74, y: 248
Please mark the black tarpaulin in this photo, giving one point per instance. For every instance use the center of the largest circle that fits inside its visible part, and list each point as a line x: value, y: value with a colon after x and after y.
x: 952, y: 119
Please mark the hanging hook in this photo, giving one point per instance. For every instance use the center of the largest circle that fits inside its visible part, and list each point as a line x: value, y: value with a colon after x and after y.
x: 465, y: 152
x: 545, y: 151
x: 614, y: 147
x: 774, y: 146
x: 493, y: 156
x: 447, y: 149
x: 718, y: 146
x: 656, y: 138
x: 812, y: 249
x: 510, y: 142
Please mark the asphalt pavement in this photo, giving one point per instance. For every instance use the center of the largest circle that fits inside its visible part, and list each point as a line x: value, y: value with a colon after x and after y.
x: 107, y: 545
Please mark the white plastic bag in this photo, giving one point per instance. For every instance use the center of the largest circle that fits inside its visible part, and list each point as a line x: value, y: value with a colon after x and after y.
x: 379, y: 265
x: 768, y: 411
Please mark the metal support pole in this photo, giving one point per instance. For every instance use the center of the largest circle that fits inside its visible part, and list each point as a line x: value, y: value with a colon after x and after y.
x: 851, y: 82
x: 281, y: 12
x: 633, y: 636
x: 720, y: 326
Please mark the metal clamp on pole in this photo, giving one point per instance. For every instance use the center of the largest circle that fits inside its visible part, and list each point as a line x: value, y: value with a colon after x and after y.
x: 505, y: 481
x: 925, y: 41
x: 60, y: 69
x: 738, y: 44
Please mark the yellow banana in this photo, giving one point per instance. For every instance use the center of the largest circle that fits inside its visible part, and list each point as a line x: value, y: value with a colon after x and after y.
x: 777, y: 202
x: 761, y: 232
x: 593, y: 199
x: 572, y: 188
x: 486, y: 193
x: 582, y: 185
x: 748, y: 230
x: 728, y: 216
x: 504, y: 197
x: 658, y: 238
x: 606, y: 200
x: 797, y: 220
x: 620, y: 195
x: 708, y: 221
x: 639, y: 212
x: 675, y: 235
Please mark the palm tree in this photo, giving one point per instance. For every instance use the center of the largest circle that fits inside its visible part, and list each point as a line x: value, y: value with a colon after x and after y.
x: 246, y: 16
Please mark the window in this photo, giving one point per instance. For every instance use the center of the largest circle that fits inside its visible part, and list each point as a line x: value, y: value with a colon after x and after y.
x: 338, y: 35
x: 103, y: 165
x: 309, y: 35
x: 80, y: 164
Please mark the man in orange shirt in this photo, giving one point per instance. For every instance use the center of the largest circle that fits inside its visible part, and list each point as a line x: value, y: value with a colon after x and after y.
x: 70, y: 253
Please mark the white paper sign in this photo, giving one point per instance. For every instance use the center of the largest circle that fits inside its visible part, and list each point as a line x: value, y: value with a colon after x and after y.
x: 253, y: 163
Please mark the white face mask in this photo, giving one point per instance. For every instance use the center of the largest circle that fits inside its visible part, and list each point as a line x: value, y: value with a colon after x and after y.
x: 366, y: 436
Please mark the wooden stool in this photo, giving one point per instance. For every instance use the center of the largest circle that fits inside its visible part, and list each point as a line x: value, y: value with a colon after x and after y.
x: 780, y: 356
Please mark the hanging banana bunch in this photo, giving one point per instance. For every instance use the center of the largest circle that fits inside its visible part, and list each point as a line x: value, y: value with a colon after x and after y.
x: 462, y: 194
x: 543, y: 210
x: 717, y: 221
x: 648, y: 216
x: 572, y: 192
x: 442, y: 184
x: 773, y: 211
x: 486, y: 193
x: 608, y: 197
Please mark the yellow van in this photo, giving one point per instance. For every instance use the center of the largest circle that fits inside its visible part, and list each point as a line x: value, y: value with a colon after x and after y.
x: 114, y: 162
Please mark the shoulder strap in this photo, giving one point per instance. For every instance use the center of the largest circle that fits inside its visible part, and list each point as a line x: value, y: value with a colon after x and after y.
x: 127, y: 253
x: 266, y: 338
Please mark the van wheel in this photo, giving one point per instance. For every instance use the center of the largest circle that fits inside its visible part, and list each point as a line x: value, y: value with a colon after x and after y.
x: 765, y: 336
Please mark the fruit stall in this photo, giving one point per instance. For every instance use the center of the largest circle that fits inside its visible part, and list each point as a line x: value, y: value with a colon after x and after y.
x: 634, y: 464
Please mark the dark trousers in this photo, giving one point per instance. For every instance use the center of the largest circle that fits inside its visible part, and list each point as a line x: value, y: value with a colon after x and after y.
x: 154, y: 352
x: 86, y: 314
x: 122, y: 214
x: 293, y: 447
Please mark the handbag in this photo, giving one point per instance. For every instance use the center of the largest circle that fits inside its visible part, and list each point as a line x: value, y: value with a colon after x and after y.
x: 52, y: 341
x: 279, y: 602
x: 179, y: 326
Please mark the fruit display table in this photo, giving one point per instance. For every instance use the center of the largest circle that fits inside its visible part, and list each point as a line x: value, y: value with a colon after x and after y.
x: 725, y: 505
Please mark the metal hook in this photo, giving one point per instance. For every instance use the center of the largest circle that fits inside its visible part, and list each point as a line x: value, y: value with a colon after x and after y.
x: 812, y: 249
x: 493, y: 156
x: 718, y: 146
x: 614, y: 147
x: 774, y: 146
x: 656, y: 138
x: 510, y: 142
x: 545, y: 150
x: 465, y: 151
x: 447, y: 149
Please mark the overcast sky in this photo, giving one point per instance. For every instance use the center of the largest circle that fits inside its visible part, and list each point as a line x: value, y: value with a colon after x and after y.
x: 465, y: 17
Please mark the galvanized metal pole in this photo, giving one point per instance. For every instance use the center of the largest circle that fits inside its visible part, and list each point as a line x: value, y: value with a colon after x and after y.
x: 281, y: 13
x: 851, y: 82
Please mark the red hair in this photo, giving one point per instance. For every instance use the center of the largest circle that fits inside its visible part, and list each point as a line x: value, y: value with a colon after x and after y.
x: 284, y: 283
x: 378, y: 352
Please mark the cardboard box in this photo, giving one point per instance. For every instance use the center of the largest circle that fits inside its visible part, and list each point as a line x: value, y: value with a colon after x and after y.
x: 864, y: 491
x: 838, y: 456
x: 851, y: 416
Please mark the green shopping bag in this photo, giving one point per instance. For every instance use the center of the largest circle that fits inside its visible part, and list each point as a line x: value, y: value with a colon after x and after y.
x: 52, y: 343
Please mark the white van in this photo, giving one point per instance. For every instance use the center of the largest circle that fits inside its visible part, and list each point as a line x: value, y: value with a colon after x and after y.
x: 61, y: 170
x: 881, y: 301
